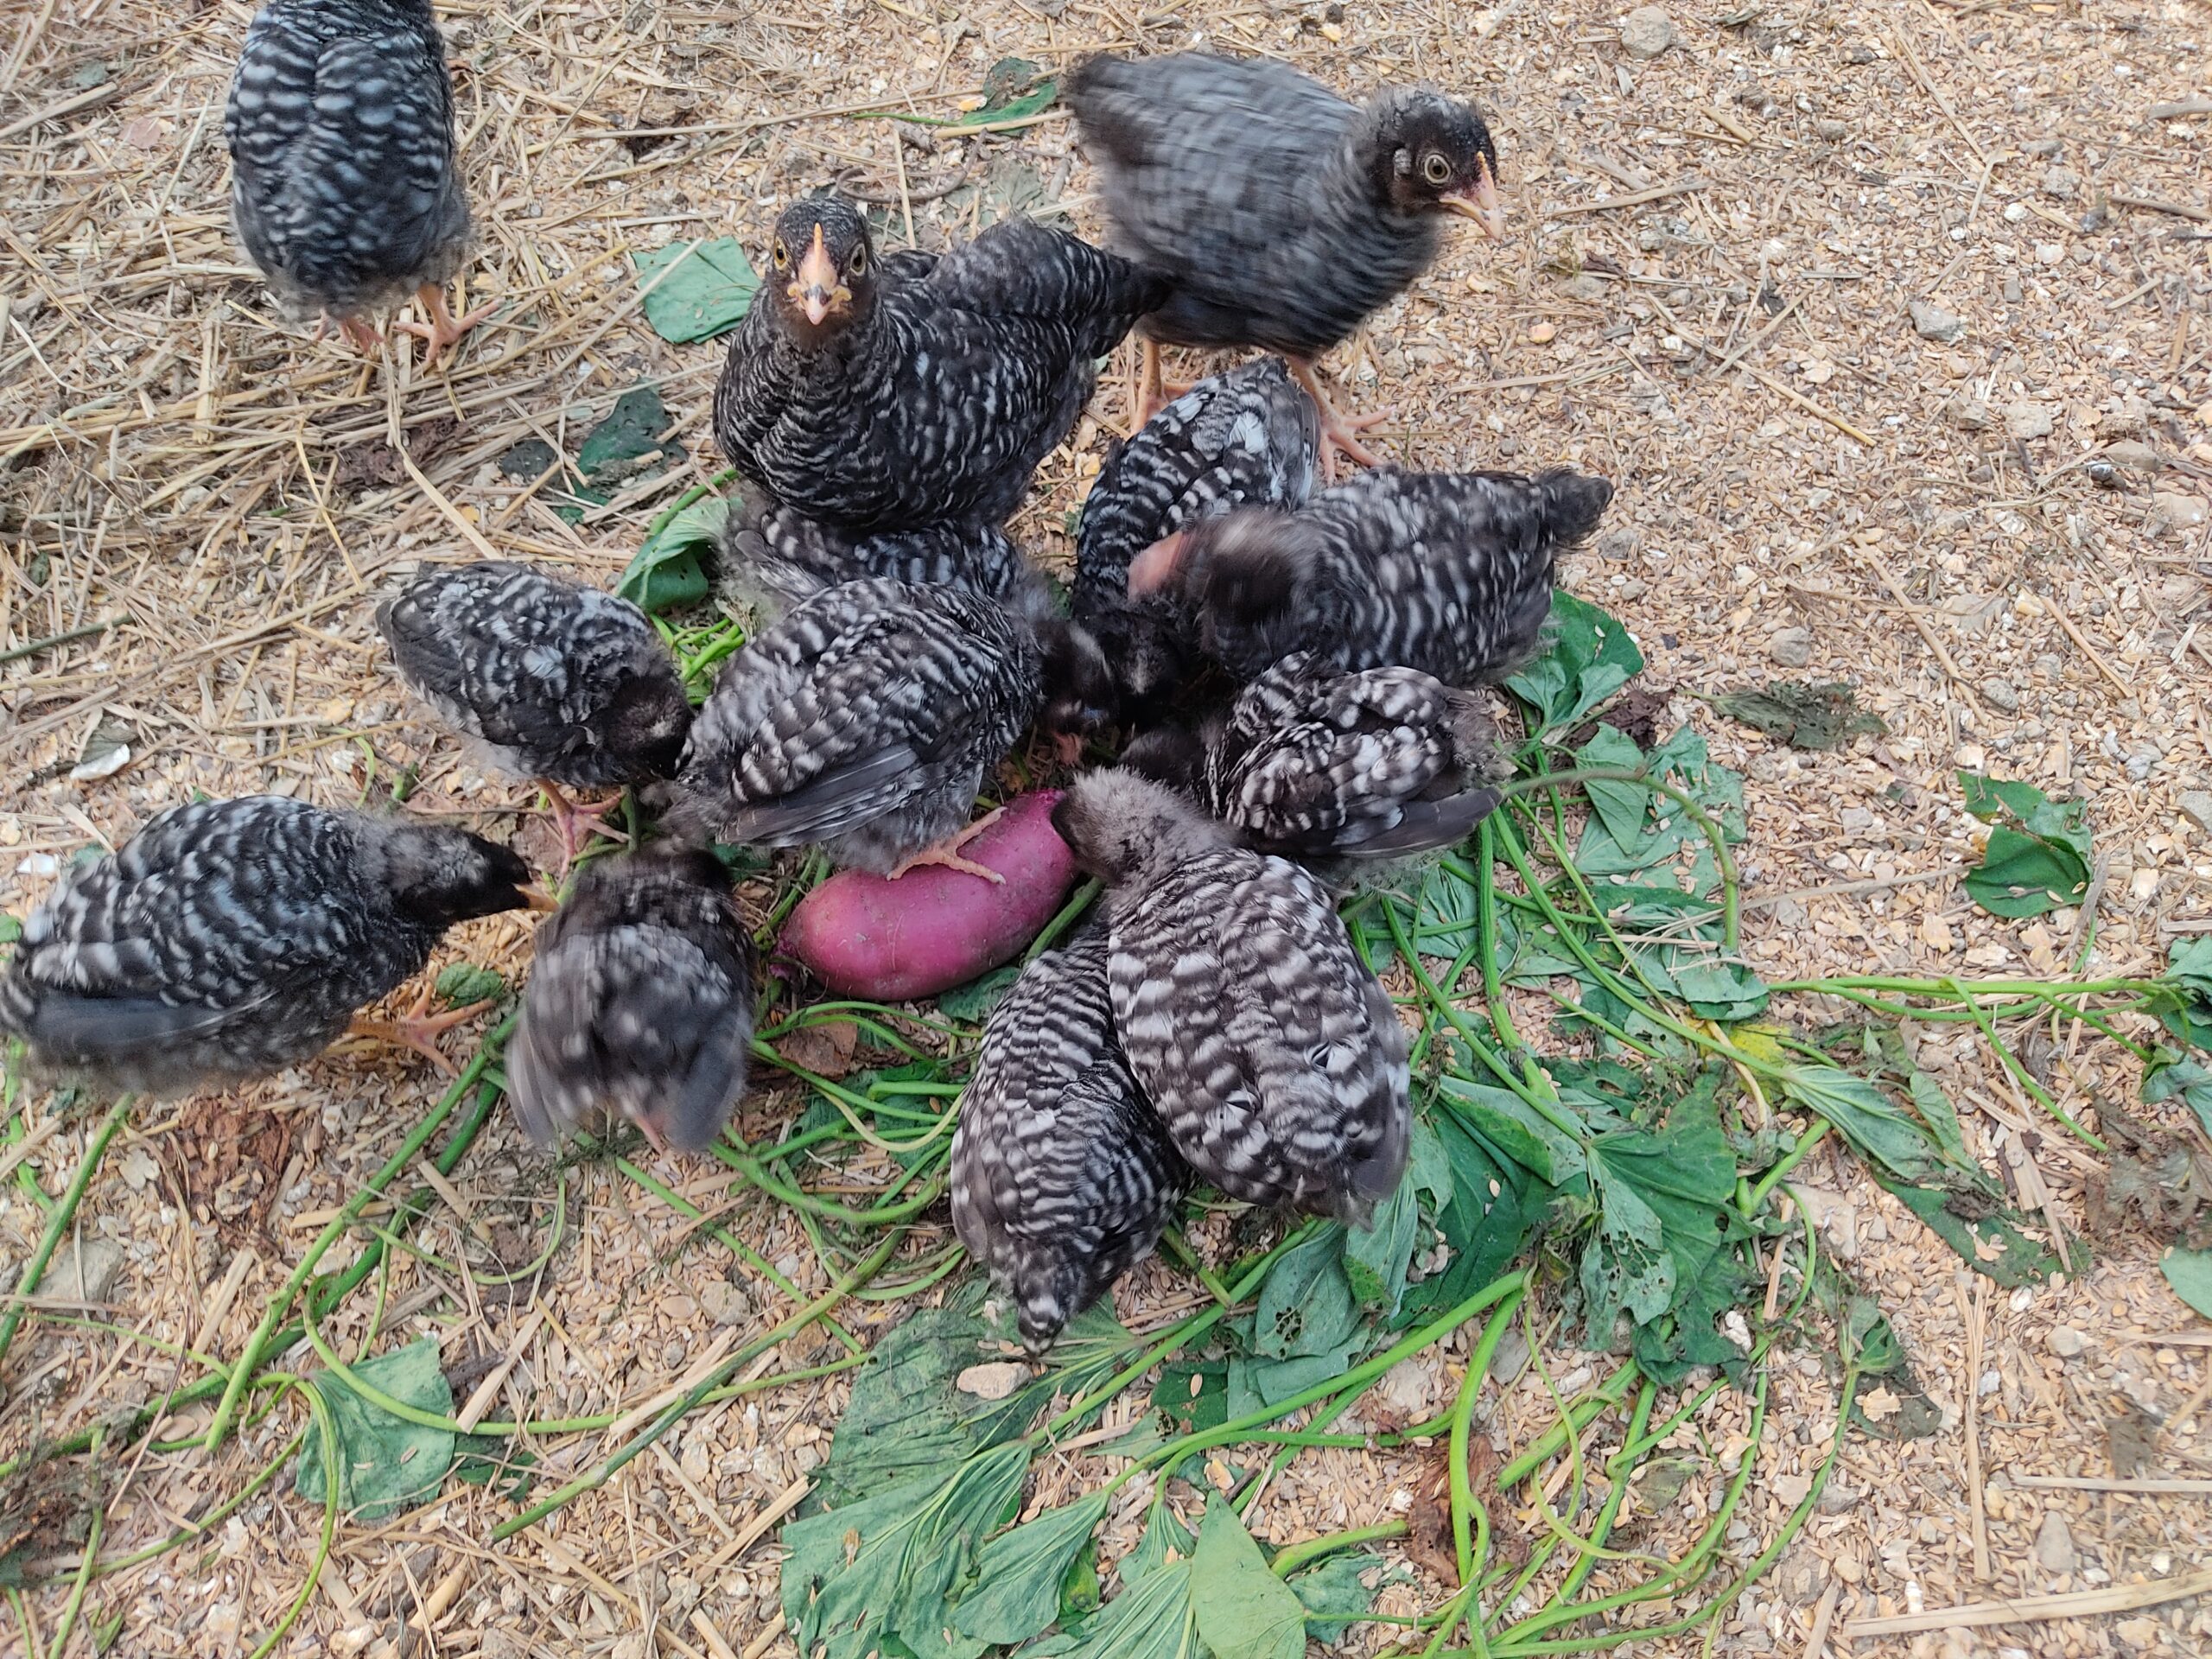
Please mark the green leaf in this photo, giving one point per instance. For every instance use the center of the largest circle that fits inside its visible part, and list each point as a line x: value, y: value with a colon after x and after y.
x: 1514, y: 1128
x: 1150, y: 1619
x: 1985, y: 1233
x: 669, y: 569
x: 1307, y: 1307
x: 1622, y: 808
x: 2186, y: 990
x: 1332, y: 1595
x: 2170, y: 1074
x: 461, y: 984
x: 1625, y: 1266
x: 972, y: 1003
x: 2038, y: 856
x: 1019, y: 1573
x: 1870, y: 1121
x: 1803, y: 716
x: 707, y: 294
x: 1164, y: 1535
x: 12, y: 929
x: 1244, y: 1611
x: 385, y: 1464
x: 616, y: 451
x: 1376, y: 1258
x: 490, y: 1460
x: 1590, y: 656
x: 2189, y: 1272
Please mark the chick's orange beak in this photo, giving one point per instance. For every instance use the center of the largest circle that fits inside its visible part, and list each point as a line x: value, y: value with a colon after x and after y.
x: 539, y: 900
x: 1155, y: 568
x: 818, y: 288
x: 1479, y: 203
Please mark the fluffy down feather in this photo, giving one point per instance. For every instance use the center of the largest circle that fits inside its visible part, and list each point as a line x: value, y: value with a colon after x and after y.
x: 773, y: 555
x: 1450, y: 573
x: 555, y: 680
x: 1062, y: 1175
x: 231, y: 938
x: 863, y: 723
x: 345, y: 184
x: 919, y: 389
x: 1250, y: 438
x: 640, y: 1004
x: 1270, y: 1052
x: 1346, y: 772
x: 1281, y: 216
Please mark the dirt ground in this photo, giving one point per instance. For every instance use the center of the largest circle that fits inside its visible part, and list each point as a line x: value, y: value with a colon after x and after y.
x: 1889, y: 321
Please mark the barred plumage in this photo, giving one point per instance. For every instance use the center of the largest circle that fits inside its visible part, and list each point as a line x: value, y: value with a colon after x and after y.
x: 863, y: 722
x: 1346, y: 772
x: 1062, y: 1175
x: 1450, y: 573
x: 1271, y: 1053
x: 231, y: 938
x: 346, y: 188
x: 878, y: 395
x: 554, y: 680
x: 640, y: 1003
x: 1282, y: 215
x: 773, y: 555
x: 1249, y: 438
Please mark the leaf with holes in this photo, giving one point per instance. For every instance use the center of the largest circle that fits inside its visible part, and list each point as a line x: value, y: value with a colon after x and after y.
x: 669, y: 569
x: 385, y: 1463
x: 1307, y: 1307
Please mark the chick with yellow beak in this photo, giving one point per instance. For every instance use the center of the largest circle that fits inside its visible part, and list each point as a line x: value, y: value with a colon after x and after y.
x: 818, y: 288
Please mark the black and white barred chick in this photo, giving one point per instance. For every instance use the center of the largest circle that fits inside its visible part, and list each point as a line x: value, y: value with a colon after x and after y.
x: 1245, y: 439
x: 919, y: 389
x: 866, y: 720
x: 1283, y: 216
x: 1348, y: 773
x: 554, y: 681
x: 1063, y: 1176
x: 1450, y: 573
x: 640, y: 1003
x: 346, y: 183
x: 771, y: 556
x: 228, y: 939
x: 1271, y: 1053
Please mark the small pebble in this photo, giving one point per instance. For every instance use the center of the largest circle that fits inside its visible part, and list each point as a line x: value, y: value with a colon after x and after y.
x: 1585, y: 288
x: 1646, y: 32
x: 2054, y: 1550
x: 1933, y: 322
x: 1543, y: 333
x: 2066, y: 1342
x: 2196, y: 806
x: 2177, y: 514
x: 1791, y: 647
x: 1999, y: 694
x: 2136, y: 457
x: 2027, y: 419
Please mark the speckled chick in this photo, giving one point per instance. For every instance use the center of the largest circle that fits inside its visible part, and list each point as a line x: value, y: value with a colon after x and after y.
x: 865, y: 721
x: 1269, y: 1050
x: 772, y: 555
x: 640, y: 1003
x: 1281, y: 216
x: 1061, y: 1175
x: 232, y: 939
x: 881, y: 395
x: 1450, y: 573
x: 1246, y: 439
x: 554, y: 680
x: 1349, y: 774
x: 346, y: 185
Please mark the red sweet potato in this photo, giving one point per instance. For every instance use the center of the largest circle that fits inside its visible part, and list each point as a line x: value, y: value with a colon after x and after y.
x: 934, y: 928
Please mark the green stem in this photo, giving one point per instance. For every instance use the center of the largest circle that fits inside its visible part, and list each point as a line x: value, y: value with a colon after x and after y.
x: 1291, y: 1557
x: 68, y: 1622
x: 327, y: 1429
x: 2019, y: 1073
x: 58, y: 1223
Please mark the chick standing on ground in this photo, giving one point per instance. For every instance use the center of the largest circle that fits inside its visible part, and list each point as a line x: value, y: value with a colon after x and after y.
x: 866, y: 720
x: 1246, y: 439
x: 231, y: 938
x: 1269, y: 1050
x: 919, y: 389
x: 772, y: 557
x: 1346, y: 773
x: 1450, y: 573
x: 560, y: 683
x: 640, y: 1003
x: 1062, y: 1175
x: 1283, y: 216
x: 346, y: 183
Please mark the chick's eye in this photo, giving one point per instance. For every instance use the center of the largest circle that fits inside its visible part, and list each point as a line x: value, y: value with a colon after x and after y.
x: 1435, y: 169
x: 782, y: 256
x: 859, y: 261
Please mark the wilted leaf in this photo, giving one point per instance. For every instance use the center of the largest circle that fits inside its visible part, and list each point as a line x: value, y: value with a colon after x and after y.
x: 1804, y: 716
x: 1334, y: 1595
x: 2038, y: 854
x: 1019, y: 1574
x: 385, y: 1464
x: 708, y: 293
x: 1244, y: 1611
x: 670, y: 568
x: 626, y: 443
x: 461, y: 984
